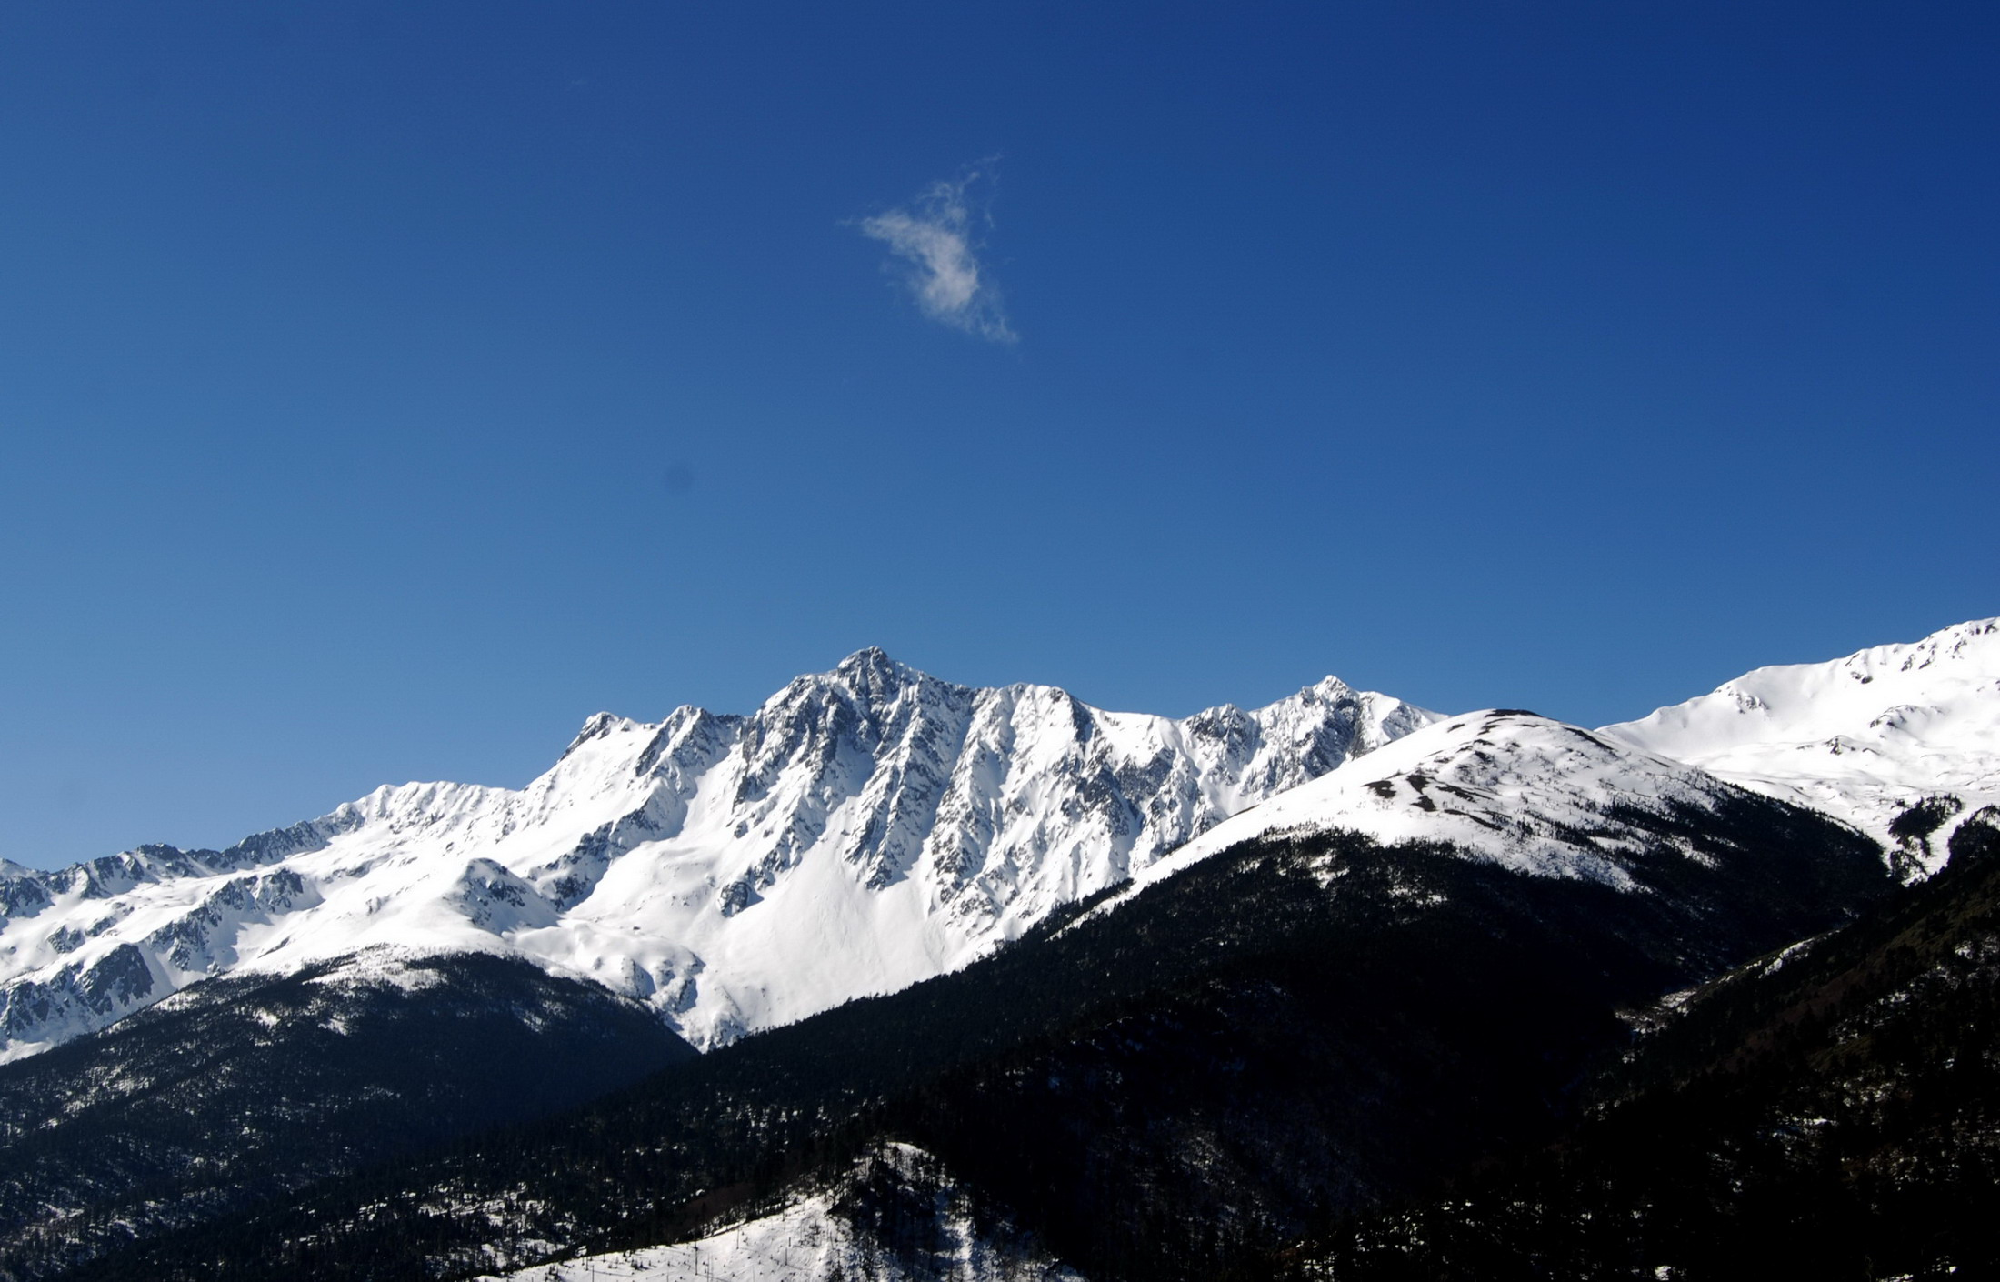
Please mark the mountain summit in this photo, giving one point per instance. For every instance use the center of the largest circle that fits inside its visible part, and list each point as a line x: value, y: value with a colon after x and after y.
x: 866, y: 828
x: 1902, y: 741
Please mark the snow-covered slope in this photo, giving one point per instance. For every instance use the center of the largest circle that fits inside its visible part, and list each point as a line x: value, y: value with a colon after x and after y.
x: 835, y: 1234
x: 865, y: 829
x: 1865, y: 738
x: 1508, y: 787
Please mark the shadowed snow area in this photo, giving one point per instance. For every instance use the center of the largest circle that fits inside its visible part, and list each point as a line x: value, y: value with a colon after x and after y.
x: 865, y: 829
x: 1868, y: 738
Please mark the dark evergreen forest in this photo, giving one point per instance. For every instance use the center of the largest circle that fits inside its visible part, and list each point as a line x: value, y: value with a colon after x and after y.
x: 241, y: 1090
x: 1247, y: 1055
x: 1832, y: 1113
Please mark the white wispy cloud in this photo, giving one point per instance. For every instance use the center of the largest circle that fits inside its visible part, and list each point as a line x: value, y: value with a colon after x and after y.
x: 938, y: 247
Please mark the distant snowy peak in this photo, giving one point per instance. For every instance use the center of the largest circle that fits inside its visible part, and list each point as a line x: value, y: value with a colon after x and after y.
x: 1522, y: 791
x: 864, y: 829
x: 1902, y: 741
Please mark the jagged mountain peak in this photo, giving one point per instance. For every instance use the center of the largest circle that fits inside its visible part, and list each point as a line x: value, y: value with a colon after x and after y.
x: 868, y: 674
x: 596, y: 726
x: 1328, y: 688
x: 865, y: 828
x: 872, y: 666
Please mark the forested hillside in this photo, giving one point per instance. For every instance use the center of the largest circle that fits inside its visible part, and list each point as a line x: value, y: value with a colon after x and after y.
x: 1298, y: 1028
x: 1830, y: 1112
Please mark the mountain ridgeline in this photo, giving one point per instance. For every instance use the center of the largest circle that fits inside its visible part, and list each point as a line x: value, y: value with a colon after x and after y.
x: 1304, y: 1025
x: 1903, y: 741
x: 866, y: 828
x: 993, y: 985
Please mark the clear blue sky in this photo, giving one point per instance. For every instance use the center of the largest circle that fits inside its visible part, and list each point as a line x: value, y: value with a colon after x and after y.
x: 386, y: 387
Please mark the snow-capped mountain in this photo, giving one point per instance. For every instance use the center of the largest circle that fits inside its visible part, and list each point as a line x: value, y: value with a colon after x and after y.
x: 1903, y: 741
x: 865, y: 829
x: 1290, y: 1029
x: 1507, y: 787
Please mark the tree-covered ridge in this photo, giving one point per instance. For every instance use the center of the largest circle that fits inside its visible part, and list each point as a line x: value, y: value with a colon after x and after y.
x: 244, y: 1089
x: 1829, y: 1112
x: 1291, y: 1030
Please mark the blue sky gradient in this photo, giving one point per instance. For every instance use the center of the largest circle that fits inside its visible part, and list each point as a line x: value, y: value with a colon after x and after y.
x: 384, y: 388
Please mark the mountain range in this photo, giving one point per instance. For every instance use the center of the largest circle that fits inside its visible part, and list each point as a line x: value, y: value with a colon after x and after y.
x: 991, y: 984
x: 866, y: 828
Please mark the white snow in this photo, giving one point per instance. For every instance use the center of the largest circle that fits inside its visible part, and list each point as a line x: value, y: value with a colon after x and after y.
x: 871, y: 827
x: 1521, y: 791
x: 806, y: 1242
x: 1861, y: 737
x: 866, y: 829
